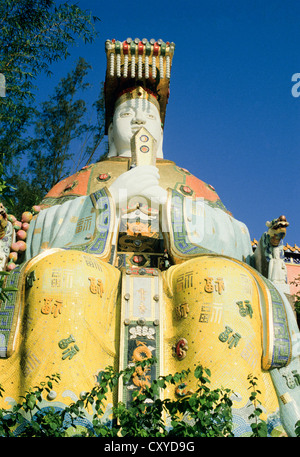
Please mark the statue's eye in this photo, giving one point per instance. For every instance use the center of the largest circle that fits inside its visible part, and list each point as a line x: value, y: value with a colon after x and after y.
x: 125, y: 114
x: 151, y: 116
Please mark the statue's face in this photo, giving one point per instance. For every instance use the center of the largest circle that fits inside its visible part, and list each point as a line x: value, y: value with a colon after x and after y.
x: 129, y: 117
x: 277, y: 235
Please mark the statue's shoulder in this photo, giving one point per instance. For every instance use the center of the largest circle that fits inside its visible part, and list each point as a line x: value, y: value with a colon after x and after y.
x: 174, y: 177
x: 86, y: 181
x: 103, y: 173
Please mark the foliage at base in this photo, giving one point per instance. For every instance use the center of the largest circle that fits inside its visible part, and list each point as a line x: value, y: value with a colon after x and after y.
x: 200, y: 413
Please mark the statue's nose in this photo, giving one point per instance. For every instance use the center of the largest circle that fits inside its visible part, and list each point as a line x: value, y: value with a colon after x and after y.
x: 139, y: 117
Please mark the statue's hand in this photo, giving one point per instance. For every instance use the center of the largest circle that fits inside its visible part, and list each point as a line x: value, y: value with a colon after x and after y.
x: 142, y: 180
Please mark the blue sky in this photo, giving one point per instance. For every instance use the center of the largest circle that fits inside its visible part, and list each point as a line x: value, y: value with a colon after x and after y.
x: 231, y: 119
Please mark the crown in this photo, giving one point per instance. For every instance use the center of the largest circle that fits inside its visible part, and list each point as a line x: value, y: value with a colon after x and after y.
x: 137, y: 68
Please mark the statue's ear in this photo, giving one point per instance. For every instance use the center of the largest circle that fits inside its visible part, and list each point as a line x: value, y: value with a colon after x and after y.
x: 112, y: 152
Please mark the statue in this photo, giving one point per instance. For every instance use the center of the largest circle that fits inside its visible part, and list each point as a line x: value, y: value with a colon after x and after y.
x: 133, y: 256
x: 7, y: 237
x: 268, y: 257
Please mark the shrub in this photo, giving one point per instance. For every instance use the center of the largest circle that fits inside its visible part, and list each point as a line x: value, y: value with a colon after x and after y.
x: 204, y: 412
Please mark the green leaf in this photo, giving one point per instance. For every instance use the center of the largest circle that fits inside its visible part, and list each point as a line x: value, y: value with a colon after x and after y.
x: 31, y: 402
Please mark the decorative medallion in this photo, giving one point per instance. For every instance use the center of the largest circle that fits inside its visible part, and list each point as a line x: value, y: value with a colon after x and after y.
x: 144, y: 138
x: 186, y: 190
x: 103, y: 177
x: 70, y: 186
x: 181, y: 348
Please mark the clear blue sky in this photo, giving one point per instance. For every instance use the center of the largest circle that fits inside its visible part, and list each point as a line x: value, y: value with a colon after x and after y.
x: 231, y: 120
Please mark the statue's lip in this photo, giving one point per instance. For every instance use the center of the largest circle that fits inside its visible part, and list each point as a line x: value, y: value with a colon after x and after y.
x: 136, y: 128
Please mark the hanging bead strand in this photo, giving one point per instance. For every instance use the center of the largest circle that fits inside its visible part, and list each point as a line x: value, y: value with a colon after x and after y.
x: 147, y: 56
x: 132, y: 52
x: 140, y: 59
x: 125, y: 53
x: 155, y: 54
x: 118, y: 58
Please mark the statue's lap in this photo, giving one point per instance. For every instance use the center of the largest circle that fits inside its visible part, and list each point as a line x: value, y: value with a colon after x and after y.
x: 213, y: 309
x: 71, y: 325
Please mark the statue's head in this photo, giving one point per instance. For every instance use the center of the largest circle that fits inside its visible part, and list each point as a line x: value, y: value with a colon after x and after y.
x: 133, y: 110
x: 136, y: 91
x: 277, y: 230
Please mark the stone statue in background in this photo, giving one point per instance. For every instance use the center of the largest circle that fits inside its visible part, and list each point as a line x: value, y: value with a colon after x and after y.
x: 7, y: 237
x: 134, y: 257
x: 268, y: 256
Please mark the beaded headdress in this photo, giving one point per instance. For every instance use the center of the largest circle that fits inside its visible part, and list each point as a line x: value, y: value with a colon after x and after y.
x: 137, y: 68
